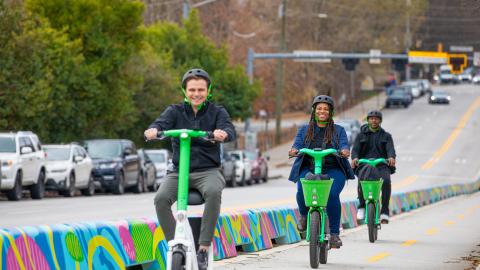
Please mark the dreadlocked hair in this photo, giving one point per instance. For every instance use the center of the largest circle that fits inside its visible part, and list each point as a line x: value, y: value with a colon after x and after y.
x: 329, y: 129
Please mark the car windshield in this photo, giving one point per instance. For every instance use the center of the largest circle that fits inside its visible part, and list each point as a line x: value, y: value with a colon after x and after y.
x: 445, y: 72
x: 7, y: 145
x: 57, y: 153
x: 440, y: 94
x: 251, y: 155
x: 157, y: 157
x: 398, y: 93
x: 104, y: 149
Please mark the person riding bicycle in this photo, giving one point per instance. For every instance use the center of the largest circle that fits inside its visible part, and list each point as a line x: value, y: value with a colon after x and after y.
x: 374, y: 142
x: 322, y: 132
x: 198, y: 113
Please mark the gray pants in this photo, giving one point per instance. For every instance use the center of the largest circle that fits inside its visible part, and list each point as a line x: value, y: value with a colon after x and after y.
x: 210, y: 183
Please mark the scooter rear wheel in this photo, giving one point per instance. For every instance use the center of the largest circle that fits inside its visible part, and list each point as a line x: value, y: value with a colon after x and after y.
x: 178, y: 261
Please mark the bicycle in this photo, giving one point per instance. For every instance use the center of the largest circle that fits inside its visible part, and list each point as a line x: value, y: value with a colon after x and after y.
x: 181, y: 254
x: 371, y: 192
x: 316, y: 195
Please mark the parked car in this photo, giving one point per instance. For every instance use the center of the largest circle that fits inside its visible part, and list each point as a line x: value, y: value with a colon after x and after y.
x: 161, y: 162
x: 243, y: 167
x: 23, y: 164
x: 446, y: 76
x: 398, y: 96
x: 476, y: 78
x: 148, y: 170
x: 415, y: 87
x: 259, y: 165
x: 439, y: 97
x: 227, y: 167
x: 116, y: 165
x: 352, y: 128
x: 69, y: 167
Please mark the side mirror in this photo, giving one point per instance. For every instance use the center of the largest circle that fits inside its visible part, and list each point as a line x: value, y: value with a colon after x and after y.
x: 26, y: 150
x: 78, y: 159
x: 127, y: 152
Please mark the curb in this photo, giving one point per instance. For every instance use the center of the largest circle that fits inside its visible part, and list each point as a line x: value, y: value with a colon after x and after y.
x: 127, y: 243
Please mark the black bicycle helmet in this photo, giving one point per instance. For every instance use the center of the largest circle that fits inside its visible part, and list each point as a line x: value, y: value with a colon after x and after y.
x: 375, y: 113
x: 323, y: 99
x: 195, y: 72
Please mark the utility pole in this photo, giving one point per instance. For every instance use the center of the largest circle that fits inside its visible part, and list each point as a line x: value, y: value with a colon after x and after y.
x: 408, y: 39
x: 279, y: 77
x: 186, y: 9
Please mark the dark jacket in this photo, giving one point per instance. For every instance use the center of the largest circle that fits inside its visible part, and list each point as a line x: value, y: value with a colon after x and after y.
x: 203, y: 154
x: 384, y: 144
x: 299, y: 143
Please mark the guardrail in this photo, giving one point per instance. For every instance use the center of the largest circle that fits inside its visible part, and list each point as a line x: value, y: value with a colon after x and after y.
x: 124, y: 243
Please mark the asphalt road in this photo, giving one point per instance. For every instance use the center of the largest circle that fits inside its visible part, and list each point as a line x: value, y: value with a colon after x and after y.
x: 436, y: 145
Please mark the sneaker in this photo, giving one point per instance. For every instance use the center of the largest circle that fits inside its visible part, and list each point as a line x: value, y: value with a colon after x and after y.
x: 202, y: 259
x: 335, y: 241
x: 384, y: 218
x: 302, y: 224
x: 360, y: 213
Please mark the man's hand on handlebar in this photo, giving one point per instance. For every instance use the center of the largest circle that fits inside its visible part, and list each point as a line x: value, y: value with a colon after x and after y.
x: 391, y: 162
x: 151, y: 133
x: 219, y: 135
x: 354, y: 162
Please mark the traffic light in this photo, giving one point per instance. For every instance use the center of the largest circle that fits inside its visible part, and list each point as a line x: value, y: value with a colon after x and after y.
x: 350, y: 63
x: 457, y: 62
x: 399, y: 64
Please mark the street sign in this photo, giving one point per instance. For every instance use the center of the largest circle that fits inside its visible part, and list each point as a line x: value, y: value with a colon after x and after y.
x: 309, y: 56
x: 461, y: 48
x: 374, y: 53
x: 476, y: 59
x: 426, y: 57
x: 458, y: 62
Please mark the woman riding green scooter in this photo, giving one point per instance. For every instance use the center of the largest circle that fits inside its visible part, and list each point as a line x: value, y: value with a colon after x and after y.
x: 322, y: 132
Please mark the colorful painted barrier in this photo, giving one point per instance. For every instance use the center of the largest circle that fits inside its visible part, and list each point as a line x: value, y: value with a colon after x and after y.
x: 116, y: 245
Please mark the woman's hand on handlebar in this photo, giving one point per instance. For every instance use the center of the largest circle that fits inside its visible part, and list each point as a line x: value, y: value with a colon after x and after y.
x: 345, y: 153
x: 354, y: 162
x: 151, y: 133
x: 293, y: 153
x: 220, y: 135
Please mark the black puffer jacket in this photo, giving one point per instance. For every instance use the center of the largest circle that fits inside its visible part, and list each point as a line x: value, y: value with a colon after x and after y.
x: 383, y: 144
x: 203, y: 154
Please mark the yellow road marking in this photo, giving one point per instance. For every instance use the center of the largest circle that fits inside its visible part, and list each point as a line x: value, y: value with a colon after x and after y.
x: 405, y: 182
x: 461, y: 216
x: 450, y: 222
x: 378, y: 257
x: 453, y: 136
x: 432, y: 231
x: 409, y: 243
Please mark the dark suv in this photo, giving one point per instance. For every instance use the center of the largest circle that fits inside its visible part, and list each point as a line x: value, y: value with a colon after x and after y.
x: 116, y: 165
x: 398, y: 96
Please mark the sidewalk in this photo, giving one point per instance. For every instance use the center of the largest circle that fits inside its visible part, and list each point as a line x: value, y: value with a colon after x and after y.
x: 279, y: 154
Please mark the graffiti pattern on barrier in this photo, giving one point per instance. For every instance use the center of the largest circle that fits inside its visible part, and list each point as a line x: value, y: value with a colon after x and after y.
x: 115, y: 245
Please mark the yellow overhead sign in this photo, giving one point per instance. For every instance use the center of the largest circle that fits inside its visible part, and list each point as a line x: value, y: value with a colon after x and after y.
x: 427, y: 57
x: 458, y: 62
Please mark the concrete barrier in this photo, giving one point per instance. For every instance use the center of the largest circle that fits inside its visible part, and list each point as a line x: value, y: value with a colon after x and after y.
x: 117, y: 245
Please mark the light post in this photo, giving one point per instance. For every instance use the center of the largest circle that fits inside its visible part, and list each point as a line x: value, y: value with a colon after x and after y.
x: 264, y: 114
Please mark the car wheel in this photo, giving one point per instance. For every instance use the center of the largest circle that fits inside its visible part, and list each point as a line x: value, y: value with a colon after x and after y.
x: 242, y: 179
x: 139, y: 186
x: 90, y: 190
x: 265, y: 177
x: 233, y: 179
x: 38, y: 190
x: 15, y: 193
x: 120, y: 185
x: 70, y: 190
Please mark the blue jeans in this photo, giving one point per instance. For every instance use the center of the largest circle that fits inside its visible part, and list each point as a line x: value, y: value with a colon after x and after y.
x: 334, y: 207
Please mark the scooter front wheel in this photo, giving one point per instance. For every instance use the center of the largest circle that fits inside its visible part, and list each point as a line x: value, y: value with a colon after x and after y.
x: 314, y: 239
x: 178, y: 261
x: 372, y: 227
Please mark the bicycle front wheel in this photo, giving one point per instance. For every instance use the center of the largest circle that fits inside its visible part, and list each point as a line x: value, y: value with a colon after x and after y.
x: 178, y: 261
x: 314, y: 239
x: 372, y: 228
